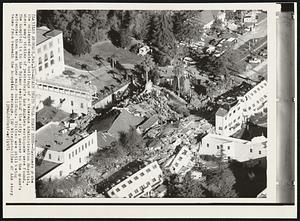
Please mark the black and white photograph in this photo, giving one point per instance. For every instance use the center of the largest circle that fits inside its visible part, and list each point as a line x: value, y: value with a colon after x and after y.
x: 151, y: 104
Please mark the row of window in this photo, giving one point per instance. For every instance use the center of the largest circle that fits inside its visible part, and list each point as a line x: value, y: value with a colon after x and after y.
x: 84, y: 146
x: 148, y: 170
x: 45, y: 46
x: 251, y: 151
x: 136, y: 190
x: 46, y: 65
x: 228, y: 148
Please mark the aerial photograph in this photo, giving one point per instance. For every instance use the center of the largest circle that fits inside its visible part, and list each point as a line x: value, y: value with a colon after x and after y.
x: 151, y: 104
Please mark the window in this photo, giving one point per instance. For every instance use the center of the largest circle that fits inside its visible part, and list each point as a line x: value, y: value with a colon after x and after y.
x: 60, y: 173
x: 229, y: 114
x: 154, y: 166
x: 70, y: 167
x: 153, y: 180
x: 225, y: 127
x: 253, y: 105
x: 51, y: 54
x: 239, y: 108
x: 92, y: 141
x: 180, y: 158
x: 46, y: 57
x: 225, y: 118
x: 255, y: 91
x: 78, y: 149
x: 124, y: 185
x: 39, y: 50
x: 40, y: 60
x: 148, y: 183
x: 40, y: 68
x: 81, y: 105
x: 220, y: 128
x: 234, y: 111
x: 52, y: 71
x: 72, y: 153
x: 118, y: 189
x: 265, y: 96
x: 176, y: 164
x: 130, y: 195
x: 52, y: 62
x: 136, y: 190
x: 249, y: 108
x: 234, y: 120
x: 136, y: 178
x: 112, y: 193
x: 228, y: 147
x: 58, y: 40
x: 218, y: 147
x: 82, y: 147
x: 239, y: 117
x: 58, y: 49
x: 89, y: 143
x: 142, y: 174
x: 72, y: 103
x: 58, y: 158
x: 257, y: 101
x: 79, y: 159
x: 129, y: 182
x: 46, y: 65
x: 50, y: 44
x: 259, y: 152
x: 207, y: 145
x: 58, y: 58
x: 69, y: 156
x: 49, y: 156
x: 228, y: 158
x: 45, y: 47
x: 85, y: 145
x: 250, y: 150
x: 76, y: 152
x: 148, y: 170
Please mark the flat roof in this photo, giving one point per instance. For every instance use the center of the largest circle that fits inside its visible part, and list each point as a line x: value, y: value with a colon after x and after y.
x: 225, y: 139
x: 44, y: 167
x: 51, y: 136
x: 123, y: 122
x: 43, y: 34
x: 117, y: 177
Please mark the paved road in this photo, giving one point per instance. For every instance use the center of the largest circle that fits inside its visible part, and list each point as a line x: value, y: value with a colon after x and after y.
x: 259, y: 31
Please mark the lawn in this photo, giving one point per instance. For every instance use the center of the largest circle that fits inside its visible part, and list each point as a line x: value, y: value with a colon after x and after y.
x: 105, y: 50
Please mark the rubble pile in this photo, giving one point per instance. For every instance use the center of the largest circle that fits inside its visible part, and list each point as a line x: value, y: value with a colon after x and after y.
x: 154, y: 102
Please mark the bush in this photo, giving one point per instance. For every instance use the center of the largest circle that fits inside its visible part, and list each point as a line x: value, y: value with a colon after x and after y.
x: 48, y: 101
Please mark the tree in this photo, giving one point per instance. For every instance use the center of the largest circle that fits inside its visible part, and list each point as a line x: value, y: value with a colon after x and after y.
x: 185, y: 28
x: 147, y: 65
x: 222, y: 184
x: 217, y: 27
x: 48, y: 101
x: 161, y: 37
x: 131, y: 141
x: 79, y: 44
x: 124, y: 38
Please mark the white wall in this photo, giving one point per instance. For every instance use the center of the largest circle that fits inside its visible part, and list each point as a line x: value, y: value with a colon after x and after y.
x: 237, y: 149
x: 45, y: 48
x: 182, y: 159
x: 253, y: 102
x: 147, y: 182
x: 81, y: 103
x: 74, y: 157
x: 102, y: 103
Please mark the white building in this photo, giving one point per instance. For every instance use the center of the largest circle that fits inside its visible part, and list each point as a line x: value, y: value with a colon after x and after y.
x: 66, y: 93
x: 233, y: 148
x: 181, y: 163
x: 58, y: 152
x: 50, y: 53
x: 230, y: 121
x: 135, y: 180
x: 207, y: 17
x: 144, y: 50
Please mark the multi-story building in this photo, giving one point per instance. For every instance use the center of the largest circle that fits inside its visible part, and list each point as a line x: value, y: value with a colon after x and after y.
x: 50, y: 53
x: 181, y: 162
x: 60, y: 151
x: 229, y: 121
x: 134, y: 180
x: 232, y: 148
x: 70, y: 95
